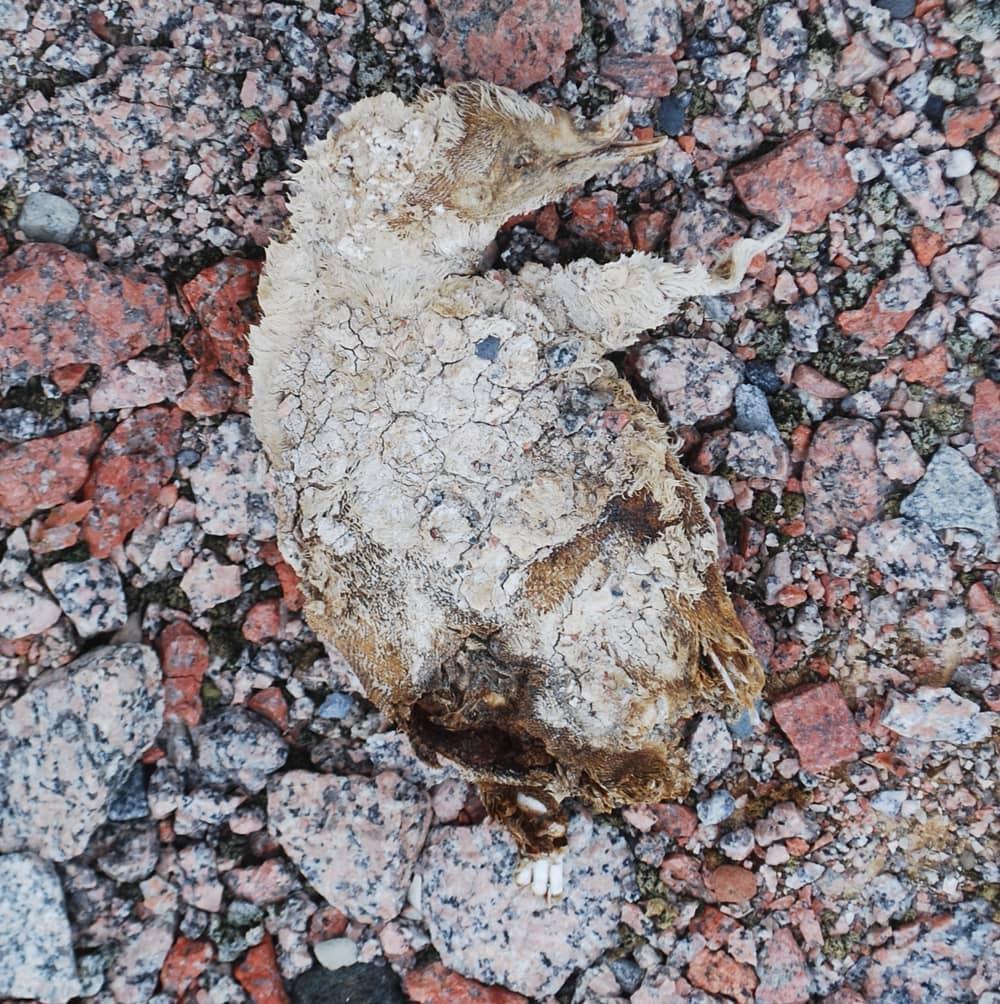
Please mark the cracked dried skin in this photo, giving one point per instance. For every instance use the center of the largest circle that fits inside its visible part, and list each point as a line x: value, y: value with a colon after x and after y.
x: 488, y: 525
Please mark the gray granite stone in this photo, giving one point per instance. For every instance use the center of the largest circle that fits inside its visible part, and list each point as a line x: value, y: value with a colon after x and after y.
x: 69, y: 742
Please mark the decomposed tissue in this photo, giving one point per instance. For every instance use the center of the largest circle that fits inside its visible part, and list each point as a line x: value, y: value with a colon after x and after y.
x: 486, y: 522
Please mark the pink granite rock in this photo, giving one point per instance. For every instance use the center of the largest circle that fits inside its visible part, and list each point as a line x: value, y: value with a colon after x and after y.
x: 693, y: 377
x: 136, y: 383
x: 208, y: 582
x: 515, y: 43
x: 44, y: 473
x: 819, y: 725
x: 804, y: 176
x: 841, y: 479
x: 58, y: 308
x: 490, y: 929
x: 354, y: 839
x: 784, y: 976
x: 907, y: 553
x: 134, y: 463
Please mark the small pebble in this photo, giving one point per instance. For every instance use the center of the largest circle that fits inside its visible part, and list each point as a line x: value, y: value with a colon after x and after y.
x: 717, y: 807
x: 336, y: 953
x: 959, y: 164
x: 670, y: 115
x: 47, y: 217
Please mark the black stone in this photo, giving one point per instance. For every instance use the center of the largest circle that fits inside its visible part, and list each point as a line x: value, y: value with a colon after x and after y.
x: 358, y: 984
x: 670, y: 116
x: 897, y: 8
x: 488, y: 348
x: 129, y: 800
x: 934, y: 109
x: 761, y: 374
x: 628, y: 974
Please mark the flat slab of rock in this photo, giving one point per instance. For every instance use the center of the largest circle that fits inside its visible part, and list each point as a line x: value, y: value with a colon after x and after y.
x: 67, y: 744
x: 36, y: 946
x: 819, y: 725
x: 355, y: 839
x: 490, y: 929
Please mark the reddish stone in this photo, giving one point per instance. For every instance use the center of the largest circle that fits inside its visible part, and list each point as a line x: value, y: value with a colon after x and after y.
x: 784, y: 978
x: 223, y: 297
x: 272, y: 705
x: 184, y: 656
x: 809, y: 379
x: 435, y: 984
x: 926, y: 244
x: 841, y: 479
x: 677, y: 821
x: 272, y: 881
x: 963, y: 124
x: 719, y: 973
x: 259, y: 976
x: 515, y: 43
x: 792, y: 595
x: 595, y: 218
x: 877, y: 325
x: 714, y: 926
x: 68, y: 378
x: 732, y: 884
x: 287, y: 577
x: 828, y: 117
x: 210, y: 392
x: 43, y: 473
x: 803, y: 176
x: 758, y: 630
x: 58, y: 308
x: 136, y: 460
x: 648, y: 230
x: 819, y: 725
x: 646, y: 75
x: 59, y: 529
x: 927, y: 369
x: 682, y: 873
x: 326, y: 923
x: 264, y: 621
x: 986, y: 417
x: 185, y: 962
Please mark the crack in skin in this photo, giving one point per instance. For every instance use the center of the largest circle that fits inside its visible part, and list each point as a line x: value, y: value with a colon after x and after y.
x: 488, y: 525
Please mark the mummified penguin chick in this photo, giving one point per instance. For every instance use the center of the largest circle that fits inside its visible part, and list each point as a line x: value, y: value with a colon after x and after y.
x: 487, y: 523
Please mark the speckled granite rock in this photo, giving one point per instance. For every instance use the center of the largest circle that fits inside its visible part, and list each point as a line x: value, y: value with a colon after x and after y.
x: 951, y: 958
x: 516, y: 43
x: 354, y: 839
x: 228, y: 483
x: 239, y: 747
x: 907, y: 552
x: 843, y: 485
x: 90, y: 594
x: 952, y: 494
x: 490, y: 929
x: 25, y: 612
x: 938, y: 714
x: 36, y: 949
x: 693, y: 377
x: 69, y: 741
x: 57, y: 308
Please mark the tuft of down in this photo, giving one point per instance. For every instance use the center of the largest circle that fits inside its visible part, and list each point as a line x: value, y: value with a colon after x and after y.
x: 487, y: 523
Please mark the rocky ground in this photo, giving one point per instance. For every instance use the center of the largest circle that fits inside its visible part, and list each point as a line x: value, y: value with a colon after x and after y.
x: 195, y: 801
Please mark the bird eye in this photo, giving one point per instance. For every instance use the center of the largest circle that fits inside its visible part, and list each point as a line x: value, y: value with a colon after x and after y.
x: 522, y: 159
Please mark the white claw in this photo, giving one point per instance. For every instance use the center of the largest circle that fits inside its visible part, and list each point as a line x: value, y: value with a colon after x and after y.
x: 556, y: 879
x: 540, y: 877
x: 523, y: 876
x: 530, y: 804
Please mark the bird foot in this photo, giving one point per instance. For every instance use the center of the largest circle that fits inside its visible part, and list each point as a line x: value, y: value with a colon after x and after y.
x: 544, y: 875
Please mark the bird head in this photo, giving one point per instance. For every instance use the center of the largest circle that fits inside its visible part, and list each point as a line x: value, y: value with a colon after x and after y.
x: 498, y: 154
